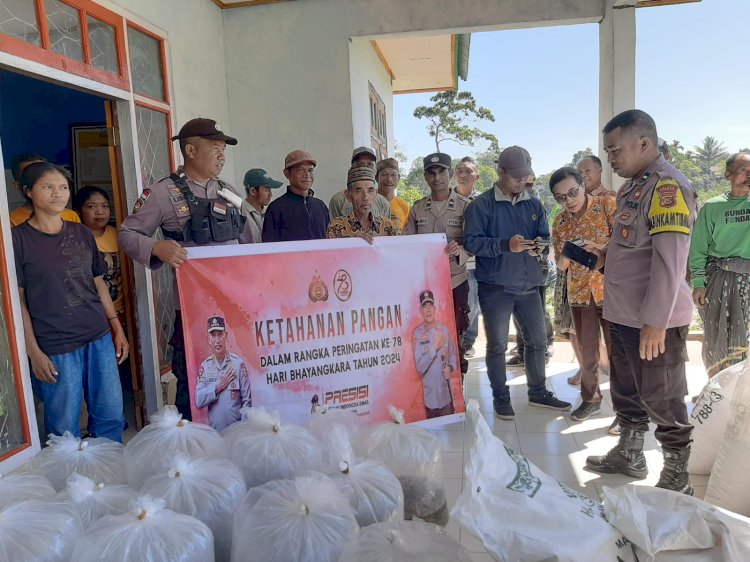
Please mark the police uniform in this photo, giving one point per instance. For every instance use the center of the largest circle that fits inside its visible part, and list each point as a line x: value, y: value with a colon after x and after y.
x: 427, y: 217
x: 223, y: 407
x: 164, y: 205
x: 644, y: 284
x: 432, y: 363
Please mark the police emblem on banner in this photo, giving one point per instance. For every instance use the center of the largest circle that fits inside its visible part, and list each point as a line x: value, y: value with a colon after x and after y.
x: 318, y: 292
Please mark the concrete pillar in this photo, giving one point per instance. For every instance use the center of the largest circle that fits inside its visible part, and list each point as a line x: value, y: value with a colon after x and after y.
x: 616, y: 70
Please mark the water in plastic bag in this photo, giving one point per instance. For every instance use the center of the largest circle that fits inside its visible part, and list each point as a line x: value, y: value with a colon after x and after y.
x: 92, y: 501
x: 19, y: 487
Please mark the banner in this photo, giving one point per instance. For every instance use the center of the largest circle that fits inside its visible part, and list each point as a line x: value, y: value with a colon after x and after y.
x: 292, y: 326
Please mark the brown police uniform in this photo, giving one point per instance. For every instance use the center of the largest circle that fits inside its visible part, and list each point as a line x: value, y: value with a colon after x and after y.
x: 427, y: 217
x: 644, y: 284
x: 163, y: 205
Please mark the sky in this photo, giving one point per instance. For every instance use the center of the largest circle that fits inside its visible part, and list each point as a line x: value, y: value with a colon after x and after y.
x: 542, y: 84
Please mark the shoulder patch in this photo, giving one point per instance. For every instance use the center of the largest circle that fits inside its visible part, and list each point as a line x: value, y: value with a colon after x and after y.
x: 141, y: 200
x: 669, y: 211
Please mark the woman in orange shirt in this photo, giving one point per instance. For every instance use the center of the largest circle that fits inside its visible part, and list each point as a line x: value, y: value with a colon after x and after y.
x: 586, y: 221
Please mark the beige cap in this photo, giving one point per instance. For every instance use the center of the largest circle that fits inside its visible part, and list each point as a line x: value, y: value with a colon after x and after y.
x: 297, y: 157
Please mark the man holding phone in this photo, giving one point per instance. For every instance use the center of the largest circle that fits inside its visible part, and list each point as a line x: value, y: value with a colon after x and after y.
x: 507, y: 230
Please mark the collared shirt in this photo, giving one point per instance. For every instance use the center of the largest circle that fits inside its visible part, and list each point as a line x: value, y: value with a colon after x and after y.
x: 224, y: 407
x: 428, y: 217
x: 602, y: 191
x: 501, y: 196
x: 350, y: 225
x: 595, y: 225
x: 473, y: 195
x: 431, y: 364
x: 255, y: 219
x: 644, y: 275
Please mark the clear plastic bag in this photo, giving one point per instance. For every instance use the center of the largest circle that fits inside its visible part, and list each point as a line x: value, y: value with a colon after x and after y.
x: 39, y: 530
x: 147, y: 533
x: 413, y: 455
x: 208, y: 489
x: 373, y: 491
x: 92, y: 501
x: 97, y: 458
x: 19, y: 487
x: 307, y: 519
x: 404, y: 541
x: 334, y: 429
x: 265, y: 449
x: 156, y: 445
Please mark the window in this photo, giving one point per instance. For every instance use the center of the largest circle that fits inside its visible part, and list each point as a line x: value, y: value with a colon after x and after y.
x: 378, y: 131
x: 77, y: 36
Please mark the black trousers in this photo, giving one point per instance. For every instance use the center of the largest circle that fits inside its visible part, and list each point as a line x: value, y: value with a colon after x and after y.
x: 179, y: 368
x: 656, y: 389
x: 461, y: 312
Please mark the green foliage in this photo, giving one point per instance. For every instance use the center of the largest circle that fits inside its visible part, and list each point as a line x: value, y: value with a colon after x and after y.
x: 450, y: 116
x: 409, y: 193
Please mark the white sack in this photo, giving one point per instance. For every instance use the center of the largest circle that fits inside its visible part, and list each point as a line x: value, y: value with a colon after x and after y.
x: 92, y: 501
x: 20, y: 487
x: 413, y: 454
x: 709, y: 418
x: 148, y: 533
x: 404, y: 541
x: 207, y: 489
x: 671, y: 526
x: 307, y: 519
x: 98, y: 458
x: 168, y: 434
x: 334, y: 430
x: 523, y: 515
x: 39, y: 530
x: 729, y: 484
x: 373, y: 491
x: 266, y: 449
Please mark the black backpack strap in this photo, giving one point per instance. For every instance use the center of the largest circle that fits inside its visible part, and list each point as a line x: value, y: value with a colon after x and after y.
x: 179, y: 181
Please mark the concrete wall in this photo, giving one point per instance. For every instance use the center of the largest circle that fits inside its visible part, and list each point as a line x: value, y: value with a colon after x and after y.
x: 367, y: 68
x: 195, y: 50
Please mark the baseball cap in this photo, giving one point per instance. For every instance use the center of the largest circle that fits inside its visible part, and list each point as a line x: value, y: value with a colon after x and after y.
x: 364, y: 150
x: 516, y: 161
x: 437, y: 159
x: 216, y: 323
x: 297, y: 157
x: 388, y: 163
x: 256, y: 177
x: 359, y: 173
x: 426, y: 296
x: 205, y: 128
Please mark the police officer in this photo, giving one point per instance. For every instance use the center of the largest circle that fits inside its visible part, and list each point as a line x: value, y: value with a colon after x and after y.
x: 648, y: 302
x: 443, y: 211
x: 435, y: 357
x: 193, y: 208
x: 223, y: 383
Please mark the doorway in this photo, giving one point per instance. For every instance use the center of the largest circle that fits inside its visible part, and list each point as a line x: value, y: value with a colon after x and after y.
x: 76, y: 130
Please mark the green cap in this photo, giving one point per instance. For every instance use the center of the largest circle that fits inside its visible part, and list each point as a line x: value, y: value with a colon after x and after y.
x: 260, y: 178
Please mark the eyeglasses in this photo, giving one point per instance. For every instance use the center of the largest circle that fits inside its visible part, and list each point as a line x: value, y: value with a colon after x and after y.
x: 572, y: 194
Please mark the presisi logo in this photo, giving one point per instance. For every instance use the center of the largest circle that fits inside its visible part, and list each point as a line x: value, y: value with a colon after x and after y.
x: 346, y: 396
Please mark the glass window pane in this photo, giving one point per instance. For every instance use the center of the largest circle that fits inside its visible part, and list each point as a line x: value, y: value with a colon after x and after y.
x: 145, y: 64
x: 103, y: 46
x: 64, y: 29
x: 153, y: 146
x: 11, y: 424
x: 18, y: 19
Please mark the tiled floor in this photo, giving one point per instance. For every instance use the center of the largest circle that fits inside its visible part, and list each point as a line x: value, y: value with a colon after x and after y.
x: 551, y: 440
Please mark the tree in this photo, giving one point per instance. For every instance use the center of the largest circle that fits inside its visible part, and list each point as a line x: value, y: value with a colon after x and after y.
x: 580, y: 155
x: 448, y: 117
x: 711, y: 153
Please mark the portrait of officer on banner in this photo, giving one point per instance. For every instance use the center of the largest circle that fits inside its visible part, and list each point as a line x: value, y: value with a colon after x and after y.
x: 436, y: 357
x: 223, y: 384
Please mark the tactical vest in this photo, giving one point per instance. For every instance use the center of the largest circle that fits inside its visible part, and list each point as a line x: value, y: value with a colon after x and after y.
x: 211, y: 220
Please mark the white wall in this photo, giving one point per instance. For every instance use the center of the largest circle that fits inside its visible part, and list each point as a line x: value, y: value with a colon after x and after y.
x: 195, y: 52
x: 365, y: 67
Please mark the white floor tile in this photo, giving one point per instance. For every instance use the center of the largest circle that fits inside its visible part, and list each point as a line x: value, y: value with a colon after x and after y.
x: 546, y: 444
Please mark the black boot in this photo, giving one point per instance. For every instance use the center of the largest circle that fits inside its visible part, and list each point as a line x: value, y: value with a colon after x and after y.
x: 674, y: 475
x: 626, y: 458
